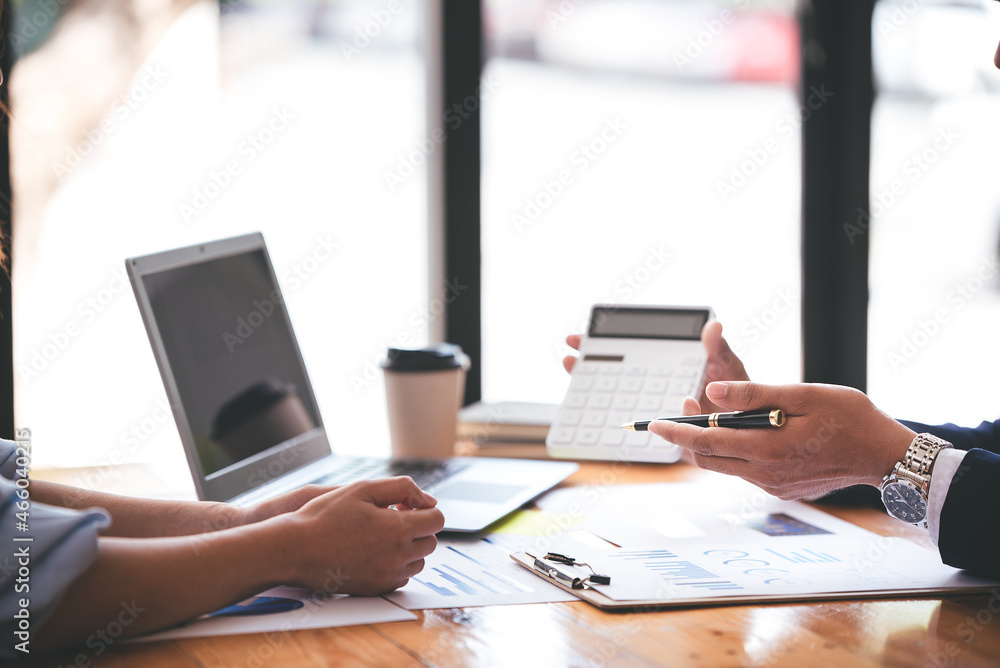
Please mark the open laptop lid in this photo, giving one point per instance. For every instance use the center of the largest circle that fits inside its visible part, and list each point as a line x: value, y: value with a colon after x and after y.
x: 230, y: 363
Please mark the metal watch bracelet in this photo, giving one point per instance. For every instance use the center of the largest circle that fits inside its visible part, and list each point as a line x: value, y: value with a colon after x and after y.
x: 915, y: 468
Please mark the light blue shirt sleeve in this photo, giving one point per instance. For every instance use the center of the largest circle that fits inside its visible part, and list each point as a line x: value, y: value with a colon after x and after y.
x: 8, y: 459
x: 41, y: 554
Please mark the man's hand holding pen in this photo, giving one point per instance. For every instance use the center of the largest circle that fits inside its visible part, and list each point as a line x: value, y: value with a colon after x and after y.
x: 833, y: 437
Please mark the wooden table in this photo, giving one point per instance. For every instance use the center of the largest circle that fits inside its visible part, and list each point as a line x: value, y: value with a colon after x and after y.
x: 933, y: 632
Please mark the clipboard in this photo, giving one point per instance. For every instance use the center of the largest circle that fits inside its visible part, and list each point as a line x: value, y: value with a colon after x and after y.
x: 593, y: 595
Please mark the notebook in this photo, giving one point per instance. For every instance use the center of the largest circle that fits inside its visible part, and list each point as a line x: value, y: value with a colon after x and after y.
x: 243, y: 404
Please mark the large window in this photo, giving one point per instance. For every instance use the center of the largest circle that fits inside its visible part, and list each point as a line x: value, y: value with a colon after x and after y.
x: 278, y: 117
x: 639, y: 152
x: 935, y: 212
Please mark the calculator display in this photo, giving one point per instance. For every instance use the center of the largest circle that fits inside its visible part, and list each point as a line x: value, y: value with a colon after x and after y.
x: 627, y: 323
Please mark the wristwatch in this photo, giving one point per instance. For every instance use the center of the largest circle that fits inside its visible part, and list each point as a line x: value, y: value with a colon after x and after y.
x: 905, y: 489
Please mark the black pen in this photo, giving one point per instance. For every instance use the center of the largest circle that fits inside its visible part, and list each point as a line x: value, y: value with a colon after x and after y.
x: 767, y: 417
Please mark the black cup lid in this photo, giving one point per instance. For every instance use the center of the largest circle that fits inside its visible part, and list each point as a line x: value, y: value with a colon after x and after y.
x: 436, y: 357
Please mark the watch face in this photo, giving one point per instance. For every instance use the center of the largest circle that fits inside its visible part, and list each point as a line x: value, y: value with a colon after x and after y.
x: 904, y: 502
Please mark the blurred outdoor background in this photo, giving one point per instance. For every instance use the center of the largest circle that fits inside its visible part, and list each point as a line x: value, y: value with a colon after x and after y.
x: 634, y: 151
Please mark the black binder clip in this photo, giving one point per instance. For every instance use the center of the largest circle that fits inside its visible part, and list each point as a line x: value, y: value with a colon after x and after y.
x: 594, y: 578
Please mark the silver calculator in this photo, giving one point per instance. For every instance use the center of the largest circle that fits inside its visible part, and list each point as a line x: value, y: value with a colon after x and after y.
x: 635, y: 363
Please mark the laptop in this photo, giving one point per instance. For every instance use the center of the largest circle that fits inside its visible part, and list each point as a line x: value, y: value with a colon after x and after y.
x: 244, y: 406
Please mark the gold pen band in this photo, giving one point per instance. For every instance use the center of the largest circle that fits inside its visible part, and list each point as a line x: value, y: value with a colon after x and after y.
x: 713, y: 420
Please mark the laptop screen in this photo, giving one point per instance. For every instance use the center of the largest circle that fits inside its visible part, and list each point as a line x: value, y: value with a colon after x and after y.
x: 233, y: 356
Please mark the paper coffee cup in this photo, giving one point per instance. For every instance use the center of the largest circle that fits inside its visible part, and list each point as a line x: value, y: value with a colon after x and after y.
x: 423, y: 391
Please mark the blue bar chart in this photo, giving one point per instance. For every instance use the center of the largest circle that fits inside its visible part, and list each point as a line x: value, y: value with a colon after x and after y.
x: 476, y: 578
x: 466, y: 573
x: 804, y: 556
x: 675, y: 571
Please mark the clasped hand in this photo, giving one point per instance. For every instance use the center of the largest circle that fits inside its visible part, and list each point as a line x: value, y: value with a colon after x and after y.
x: 365, y: 538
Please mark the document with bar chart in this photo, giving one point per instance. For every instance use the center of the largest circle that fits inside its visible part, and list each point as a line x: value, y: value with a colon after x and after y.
x: 781, y: 567
x: 721, y: 540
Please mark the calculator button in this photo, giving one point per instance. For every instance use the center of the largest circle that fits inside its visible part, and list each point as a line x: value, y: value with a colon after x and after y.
x: 624, y: 402
x: 610, y: 370
x: 570, y: 418
x: 686, y: 372
x: 593, y: 419
x: 631, y: 384
x: 585, y: 369
x: 617, y: 418
x: 581, y: 383
x: 655, y: 386
x: 635, y: 370
x: 660, y: 371
x: 587, y: 436
x: 575, y: 400
x: 563, y: 435
x: 612, y: 437
x: 681, y: 386
x: 599, y: 401
x: 650, y: 404
x: 639, y: 439
x: 605, y: 384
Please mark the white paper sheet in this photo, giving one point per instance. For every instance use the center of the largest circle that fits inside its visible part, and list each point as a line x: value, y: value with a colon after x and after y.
x: 315, y: 612
x: 716, y: 507
x: 476, y: 572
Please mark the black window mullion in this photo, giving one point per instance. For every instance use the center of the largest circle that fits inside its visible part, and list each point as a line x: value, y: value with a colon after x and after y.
x: 838, y: 92
x: 455, y: 71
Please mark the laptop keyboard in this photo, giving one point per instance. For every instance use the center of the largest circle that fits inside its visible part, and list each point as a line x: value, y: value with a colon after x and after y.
x: 426, y: 473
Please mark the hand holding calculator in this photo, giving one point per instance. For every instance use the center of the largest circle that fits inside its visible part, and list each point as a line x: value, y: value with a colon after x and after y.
x: 636, y: 363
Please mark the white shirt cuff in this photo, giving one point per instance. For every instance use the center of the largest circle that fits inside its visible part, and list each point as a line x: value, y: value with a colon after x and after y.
x: 945, y: 466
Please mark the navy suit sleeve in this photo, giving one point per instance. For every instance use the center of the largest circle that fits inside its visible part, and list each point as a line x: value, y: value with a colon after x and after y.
x: 970, y: 533
x: 985, y: 437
